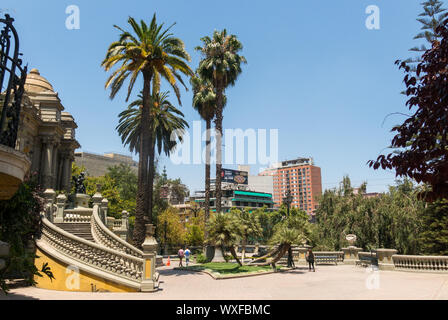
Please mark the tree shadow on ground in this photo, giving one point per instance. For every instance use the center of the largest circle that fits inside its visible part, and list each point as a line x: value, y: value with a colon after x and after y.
x: 177, y: 272
x: 15, y: 296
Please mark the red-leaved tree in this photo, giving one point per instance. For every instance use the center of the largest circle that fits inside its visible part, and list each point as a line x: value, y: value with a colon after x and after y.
x: 420, y: 145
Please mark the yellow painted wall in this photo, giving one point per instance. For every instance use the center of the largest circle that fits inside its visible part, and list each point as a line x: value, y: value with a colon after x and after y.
x: 66, y: 280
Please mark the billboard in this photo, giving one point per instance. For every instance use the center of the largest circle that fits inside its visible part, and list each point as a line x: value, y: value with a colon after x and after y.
x: 234, y: 176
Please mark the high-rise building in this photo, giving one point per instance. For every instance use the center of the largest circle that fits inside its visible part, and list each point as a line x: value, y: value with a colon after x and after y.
x: 304, y: 179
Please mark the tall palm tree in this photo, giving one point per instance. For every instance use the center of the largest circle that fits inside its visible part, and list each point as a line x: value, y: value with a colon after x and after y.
x: 153, y: 53
x: 168, y: 126
x: 204, y: 102
x: 168, y: 120
x: 223, y: 231
x: 221, y: 65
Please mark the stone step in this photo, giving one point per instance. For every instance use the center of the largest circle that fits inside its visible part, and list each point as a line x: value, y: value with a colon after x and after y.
x: 82, y: 230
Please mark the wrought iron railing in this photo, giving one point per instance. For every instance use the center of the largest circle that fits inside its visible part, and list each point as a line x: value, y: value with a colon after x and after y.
x: 12, y: 82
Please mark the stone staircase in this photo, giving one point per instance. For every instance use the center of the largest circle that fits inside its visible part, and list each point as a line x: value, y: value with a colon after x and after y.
x: 82, y: 230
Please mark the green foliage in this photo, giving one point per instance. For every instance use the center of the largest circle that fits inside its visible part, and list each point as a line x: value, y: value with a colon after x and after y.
x: 169, y: 221
x: 431, y: 18
x: 230, y: 268
x: 434, y: 237
x: 292, y: 230
x: 195, y: 229
x: 249, y: 226
x: 20, y: 226
x: 200, y: 258
x: 223, y: 230
x: 391, y: 220
x: 118, y: 186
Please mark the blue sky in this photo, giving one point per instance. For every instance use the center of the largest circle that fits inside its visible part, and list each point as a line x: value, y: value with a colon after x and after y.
x: 314, y: 72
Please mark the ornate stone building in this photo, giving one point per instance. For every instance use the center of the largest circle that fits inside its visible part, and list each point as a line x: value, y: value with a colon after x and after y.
x: 46, y: 133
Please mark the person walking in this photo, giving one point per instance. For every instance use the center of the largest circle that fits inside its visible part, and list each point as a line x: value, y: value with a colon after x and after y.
x: 310, y: 259
x: 180, y: 254
x: 187, y: 256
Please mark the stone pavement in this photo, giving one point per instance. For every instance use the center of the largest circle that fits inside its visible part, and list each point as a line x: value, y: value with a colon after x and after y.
x: 342, y: 282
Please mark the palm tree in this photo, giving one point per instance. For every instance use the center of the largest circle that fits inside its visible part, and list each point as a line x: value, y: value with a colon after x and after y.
x: 292, y: 230
x: 204, y: 102
x: 168, y: 126
x: 221, y: 65
x: 154, y: 53
x: 223, y: 231
x: 249, y: 226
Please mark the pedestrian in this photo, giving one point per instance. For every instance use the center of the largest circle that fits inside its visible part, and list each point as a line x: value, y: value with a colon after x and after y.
x: 310, y: 259
x: 187, y: 256
x: 180, y: 254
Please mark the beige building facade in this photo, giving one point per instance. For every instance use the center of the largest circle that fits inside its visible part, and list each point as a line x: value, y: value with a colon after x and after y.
x: 96, y: 165
x: 46, y: 133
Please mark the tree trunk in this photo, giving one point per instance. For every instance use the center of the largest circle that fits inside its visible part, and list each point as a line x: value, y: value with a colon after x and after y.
x: 233, y: 252
x: 243, y: 249
x: 273, y: 252
x: 151, y: 172
x: 282, y: 250
x: 207, y: 177
x: 141, y: 203
x: 218, y: 127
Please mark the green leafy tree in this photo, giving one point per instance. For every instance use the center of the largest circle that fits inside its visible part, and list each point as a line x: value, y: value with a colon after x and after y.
x: 153, y: 53
x: 221, y: 65
x: 20, y: 226
x: 195, y: 229
x: 434, y: 236
x: 175, y: 231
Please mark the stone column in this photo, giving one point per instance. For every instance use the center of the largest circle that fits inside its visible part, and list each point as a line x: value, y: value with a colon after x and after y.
x: 351, y: 254
x: 97, y: 198
x: 54, y: 166
x: 66, y: 173
x: 385, y: 261
x: 60, y: 202
x: 104, y: 206
x: 150, y: 276
x: 49, y: 195
x: 47, y: 162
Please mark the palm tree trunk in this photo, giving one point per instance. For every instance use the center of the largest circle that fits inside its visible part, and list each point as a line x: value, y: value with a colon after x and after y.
x: 141, y: 203
x: 207, y: 178
x: 281, y: 252
x: 151, y: 172
x: 243, y: 248
x: 233, y: 252
x: 269, y: 254
x: 218, y: 127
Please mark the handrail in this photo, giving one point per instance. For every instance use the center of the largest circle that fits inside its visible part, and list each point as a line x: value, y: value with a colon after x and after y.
x: 95, y: 255
x: 103, y: 235
x: 420, y: 263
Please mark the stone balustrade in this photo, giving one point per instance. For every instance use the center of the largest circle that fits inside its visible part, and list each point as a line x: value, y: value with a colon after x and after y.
x: 105, y: 236
x: 92, y: 254
x: 420, y: 263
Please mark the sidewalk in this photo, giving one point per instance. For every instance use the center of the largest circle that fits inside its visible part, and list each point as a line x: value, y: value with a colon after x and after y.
x: 341, y: 282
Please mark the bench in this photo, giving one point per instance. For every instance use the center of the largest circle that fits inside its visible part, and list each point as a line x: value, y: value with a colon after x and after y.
x: 326, y: 259
x: 366, y: 261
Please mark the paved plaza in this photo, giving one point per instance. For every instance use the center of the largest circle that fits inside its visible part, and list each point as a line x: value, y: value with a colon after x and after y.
x: 343, y: 282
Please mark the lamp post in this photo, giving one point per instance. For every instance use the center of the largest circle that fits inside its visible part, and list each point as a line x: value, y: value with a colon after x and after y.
x: 288, y: 200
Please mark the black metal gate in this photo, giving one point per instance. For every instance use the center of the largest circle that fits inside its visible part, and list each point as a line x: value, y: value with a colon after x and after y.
x: 12, y: 82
